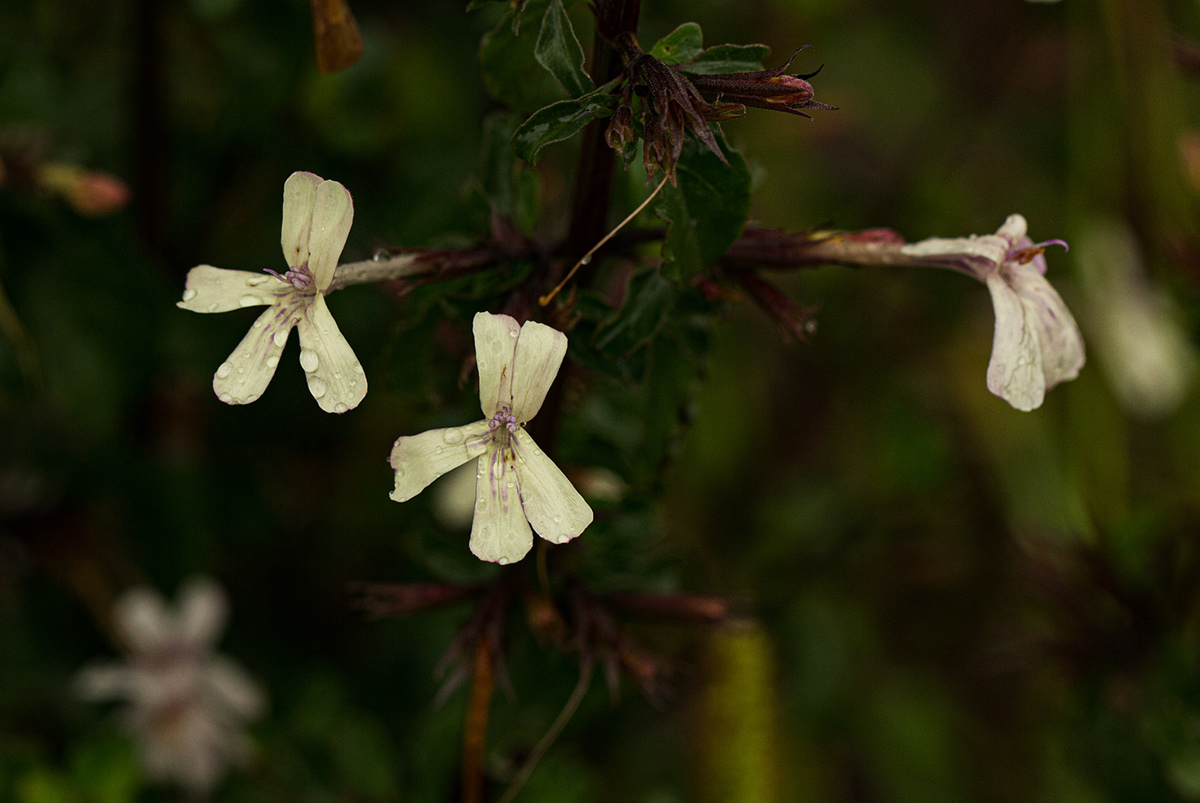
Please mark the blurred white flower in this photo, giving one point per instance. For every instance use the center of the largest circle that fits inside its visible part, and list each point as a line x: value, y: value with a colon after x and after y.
x: 516, y: 484
x: 1036, y: 343
x: 184, y: 704
x: 1143, y: 348
x: 316, y: 221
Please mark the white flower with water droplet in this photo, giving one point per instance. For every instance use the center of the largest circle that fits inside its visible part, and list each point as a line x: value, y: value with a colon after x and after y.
x: 316, y: 221
x: 185, y: 705
x: 1036, y: 343
x: 516, y: 485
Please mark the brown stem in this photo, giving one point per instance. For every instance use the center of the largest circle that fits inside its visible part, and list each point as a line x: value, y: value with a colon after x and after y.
x: 415, y: 264
x: 779, y: 250
x: 475, y: 736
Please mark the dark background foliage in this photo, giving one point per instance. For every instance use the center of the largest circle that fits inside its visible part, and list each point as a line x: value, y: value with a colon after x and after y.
x: 943, y: 599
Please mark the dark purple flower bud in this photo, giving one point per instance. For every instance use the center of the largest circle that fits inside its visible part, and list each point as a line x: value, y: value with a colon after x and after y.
x: 762, y: 89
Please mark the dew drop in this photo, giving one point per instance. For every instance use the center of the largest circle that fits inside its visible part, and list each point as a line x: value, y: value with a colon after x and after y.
x: 189, y: 294
x: 224, y: 370
x: 225, y: 397
x: 272, y: 361
x: 316, y: 387
x: 340, y: 408
x: 358, y: 368
x: 255, y: 281
x: 258, y: 322
x: 248, y: 300
x: 438, y: 450
x: 503, y: 561
x: 512, y: 485
x: 213, y: 307
x: 586, y: 259
x: 251, y: 398
x: 557, y: 517
x: 482, y: 507
x: 280, y: 338
x: 381, y: 255
x: 537, y: 452
x: 399, y: 473
x: 309, y: 360
x: 513, y: 333
x: 337, y: 374
x: 453, y: 436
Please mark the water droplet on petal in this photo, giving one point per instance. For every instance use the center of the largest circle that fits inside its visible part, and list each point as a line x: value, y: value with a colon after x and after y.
x: 438, y: 450
x: 358, y: 368
x: 258, y: 322
x: 272, y: 361
x: 503, y: 561
x: 280, y: 337
x: 251, y: 398
x: 248, y: 300
x: 537, y: 452
x: 513, y: 333
x: 512, y: 485
x: 557, y: 517
x: 316, y: 387
x: 340, y: 408
x: 225, y: 397
x: 482, y: 507
x: 189, y: 294
x: 453, y: 436
x: 255, y: 281
x: 213, y: 307
x: 309, y: 360
x: 224, y: 370
x: 399, y: 473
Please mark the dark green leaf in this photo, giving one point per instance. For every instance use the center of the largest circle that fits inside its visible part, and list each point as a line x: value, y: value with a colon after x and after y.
x: 648, y: 301
x: 728, y: 58
x: 505, y: 181
x: 558, y: 50
x: 705, y: 213
x: 511, y: 73
x: 560, y: 121
x: 682, y: 44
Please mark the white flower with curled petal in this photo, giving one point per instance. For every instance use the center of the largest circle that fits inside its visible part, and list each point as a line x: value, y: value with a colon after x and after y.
x: 316, y: 221
x: 516, y: 485
x: 1036, y: 343
x: 184, y: 704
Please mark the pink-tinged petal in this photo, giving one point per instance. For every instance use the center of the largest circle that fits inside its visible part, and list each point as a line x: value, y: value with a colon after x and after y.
x: 105, y: 682
x: 540, y: 351
x: 500, y: 532
x: 495, y: 344
x: 335, y: 376
x: 212, y: 289
x: 1015, y: 370
x: 332, y: 216
x: 299, y: 195
x: 1061, y: 343
x: 245, y: 375
x: 554, y: 508
x: 142, y: 620
x: 1013, y: 228
x: 420, y: 459
x: 233, y: 690
x: 203, y: 610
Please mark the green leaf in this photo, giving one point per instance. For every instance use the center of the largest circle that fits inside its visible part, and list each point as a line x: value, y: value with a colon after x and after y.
x: 511, y: 73
x: 558, y: 50
x: 648, y: 301
x: 705, y: 213
x: 560, y: 121
x: 728, y: 58
x: 506, y: 182
x: 682, y: 44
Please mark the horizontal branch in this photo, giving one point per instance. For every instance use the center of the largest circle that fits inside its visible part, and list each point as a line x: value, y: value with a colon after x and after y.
x: 765, y: 248
x: 415, y: 264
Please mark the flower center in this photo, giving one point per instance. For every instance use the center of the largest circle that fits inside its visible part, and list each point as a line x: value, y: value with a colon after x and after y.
x: 299, y: 277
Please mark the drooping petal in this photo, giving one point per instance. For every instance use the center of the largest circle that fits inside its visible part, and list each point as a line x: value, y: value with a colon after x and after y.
x: 977, y: 256
x: 212, y: 289
x: 1013, y: 228
x: 500, y: 532
x: 1058, y: 334
x: 1015, y: 370
x: 332, y: 215
x: 495, y: 343
x: 540, y: 351
x: 142, y: 620
x: 299, y: 195
x: 335, y: 376
x: 556, y: 510
x: 203, y: 610
x: 245, y: 375
x: 420, y: 459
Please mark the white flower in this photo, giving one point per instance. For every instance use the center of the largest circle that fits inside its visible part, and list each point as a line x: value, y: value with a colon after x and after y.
x: 316, y: 221
x: 1036, y: 343
x: 185, y: 705
x: 516, y: 484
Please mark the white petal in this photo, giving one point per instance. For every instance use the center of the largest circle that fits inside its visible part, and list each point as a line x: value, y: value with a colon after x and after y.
x: 540, y: 351
x: 556, y: 510
x: 105, y: 682
x: 212, y: 289
x: 245, y: 375
x: 299, y: 194
x: 203, y: 610
x: 500, y: 532
x: 495, y: 343
x: 234, y: 690
x: 1058, y: 334
x: 978, y: 256
x: 1015, y: 370
x: 335, y: 376
x: 1013, y: 229
x: 420, y: 459
x: 332, y: 215
x: 142, y: 620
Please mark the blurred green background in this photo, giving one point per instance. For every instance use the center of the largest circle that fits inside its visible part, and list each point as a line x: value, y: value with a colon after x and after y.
x: 945, y: 599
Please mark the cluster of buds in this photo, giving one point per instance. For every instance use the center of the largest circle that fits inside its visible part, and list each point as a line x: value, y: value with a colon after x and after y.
x: 673, y: 102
